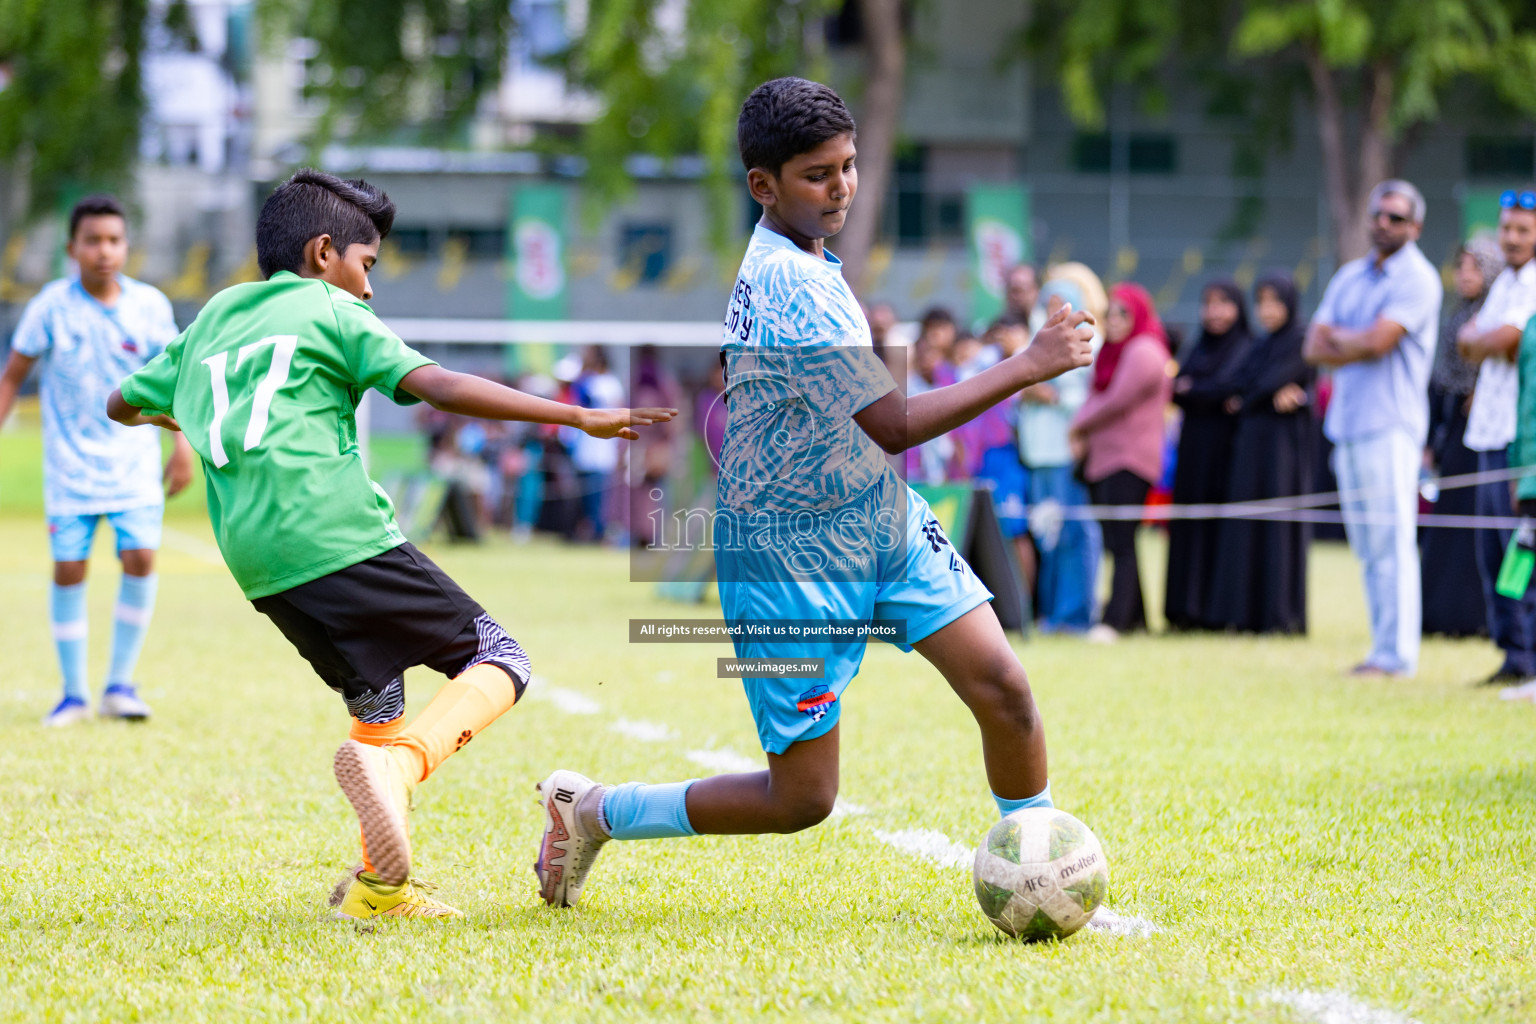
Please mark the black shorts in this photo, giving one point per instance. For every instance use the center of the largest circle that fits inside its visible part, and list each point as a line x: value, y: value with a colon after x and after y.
x: 362, y: 626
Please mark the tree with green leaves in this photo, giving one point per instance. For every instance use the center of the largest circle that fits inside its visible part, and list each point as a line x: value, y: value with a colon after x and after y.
x: 671, y: 80
x: 71, y: 101
x: 395, y: 69
x: 1372, y: 70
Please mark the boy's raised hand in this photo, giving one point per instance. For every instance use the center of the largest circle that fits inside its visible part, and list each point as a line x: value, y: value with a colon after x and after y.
x: 1064, y: 343
x: 621, y: 422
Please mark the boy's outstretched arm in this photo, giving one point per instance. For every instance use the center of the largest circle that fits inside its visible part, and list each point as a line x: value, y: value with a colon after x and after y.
x: 16, y: 370
x: 468, y: 395
x: 897, y: 423
x: 120, y: 411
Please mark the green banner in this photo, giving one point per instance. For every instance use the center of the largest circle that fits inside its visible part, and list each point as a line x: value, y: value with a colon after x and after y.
x: 536, y: 248
x: 998, y: 229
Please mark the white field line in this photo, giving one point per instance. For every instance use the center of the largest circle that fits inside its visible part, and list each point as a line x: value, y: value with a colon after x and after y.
x: 645, y: 732
x: 724, y: 761
x: 841, y: 807
x: 1335, y: 1008
x: 934, y: 845
x: 930, y: 844
x: 190, y: 545
x: 569, y: 701
x: 1110, y: 923
x: 927, y: 843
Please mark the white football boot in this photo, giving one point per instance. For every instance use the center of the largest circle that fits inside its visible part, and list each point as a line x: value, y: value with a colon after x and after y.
x: 573, y: 836
x: 68, y: 712
x: 122, y: 701
x: 1525, y: 691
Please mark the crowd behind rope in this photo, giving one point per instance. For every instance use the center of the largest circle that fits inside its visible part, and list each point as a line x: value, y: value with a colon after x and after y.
x: 1392, y: 383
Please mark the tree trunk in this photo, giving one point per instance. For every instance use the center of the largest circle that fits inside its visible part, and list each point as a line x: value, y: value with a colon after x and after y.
x: 1345, y: 205
x: 879, y: 121
x: 1375, y: 141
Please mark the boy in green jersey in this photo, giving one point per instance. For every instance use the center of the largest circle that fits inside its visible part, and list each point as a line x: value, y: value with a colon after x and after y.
x: 265, y: 385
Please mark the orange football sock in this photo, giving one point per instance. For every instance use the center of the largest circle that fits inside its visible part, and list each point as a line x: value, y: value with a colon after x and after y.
x: 377, y: 735
x: 462, y: 708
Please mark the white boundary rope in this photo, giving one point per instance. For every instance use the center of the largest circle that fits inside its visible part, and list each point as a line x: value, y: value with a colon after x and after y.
x: 1300, y: 508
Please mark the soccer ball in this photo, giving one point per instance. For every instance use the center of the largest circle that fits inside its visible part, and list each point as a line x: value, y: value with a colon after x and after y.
x: 1040, y: 874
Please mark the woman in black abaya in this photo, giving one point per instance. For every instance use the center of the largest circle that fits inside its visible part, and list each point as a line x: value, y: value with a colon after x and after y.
x: 1449, y: 574
x: 1263, y: 588
x: 1205, y: 382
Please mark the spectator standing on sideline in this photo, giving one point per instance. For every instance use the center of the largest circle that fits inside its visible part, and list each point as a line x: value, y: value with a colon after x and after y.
x: 1205, y: 382
x: 1376, y: 326
x: 1522, y: 455
x: 991, y: 447
x: 709, y: 415
x: 1453, y: 588
x: 653, y: 458
x: 1263, y: 585
x: 937, y: 328
x: 1097, y: 301
x: 1067, y: 549
x: 1021, y: 298
x: 594, y: 459
x: 882, y: 317
x: 1118, y: 436
x: 89, y: 332
x: 1492, y: 339
x: 929, y: 462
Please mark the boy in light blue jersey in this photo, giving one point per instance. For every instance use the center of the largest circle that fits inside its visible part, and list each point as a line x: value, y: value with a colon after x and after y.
x: 88, y: 333
x: 813, y: 530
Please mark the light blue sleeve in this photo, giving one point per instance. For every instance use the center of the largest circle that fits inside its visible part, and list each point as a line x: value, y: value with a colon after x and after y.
x: 32, y: 337
x: 1413, y: 303
x: 1325, y: 312
x: 163, y: 329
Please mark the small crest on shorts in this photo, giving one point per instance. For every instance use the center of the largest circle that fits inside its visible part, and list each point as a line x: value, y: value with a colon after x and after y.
x: 816, y: 701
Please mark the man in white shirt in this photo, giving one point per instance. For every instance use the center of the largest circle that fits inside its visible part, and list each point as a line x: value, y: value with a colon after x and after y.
x: 1492, y: 338
x: 1377, y: 326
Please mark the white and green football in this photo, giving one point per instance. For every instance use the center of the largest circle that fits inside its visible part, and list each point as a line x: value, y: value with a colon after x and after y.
x: 1040, y: 874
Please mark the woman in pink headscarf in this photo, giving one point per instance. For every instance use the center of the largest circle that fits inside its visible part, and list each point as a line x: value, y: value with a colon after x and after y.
x: 1117, y: 439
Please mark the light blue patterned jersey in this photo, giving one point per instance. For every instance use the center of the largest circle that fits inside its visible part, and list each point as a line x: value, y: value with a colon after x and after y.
x: 90, y: 464
x: 799, y: 363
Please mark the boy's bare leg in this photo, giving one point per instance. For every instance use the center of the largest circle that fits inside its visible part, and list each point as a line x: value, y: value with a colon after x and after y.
x: 796, y: 792
x: 974, y: 657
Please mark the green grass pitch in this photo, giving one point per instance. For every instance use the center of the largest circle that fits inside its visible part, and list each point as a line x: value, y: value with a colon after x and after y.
x: 1288, y: 830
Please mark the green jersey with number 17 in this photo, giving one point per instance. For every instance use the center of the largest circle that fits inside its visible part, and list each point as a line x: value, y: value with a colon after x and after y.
x: 265, y: 385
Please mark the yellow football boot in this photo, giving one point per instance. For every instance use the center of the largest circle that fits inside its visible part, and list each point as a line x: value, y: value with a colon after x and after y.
x: 368, y: 898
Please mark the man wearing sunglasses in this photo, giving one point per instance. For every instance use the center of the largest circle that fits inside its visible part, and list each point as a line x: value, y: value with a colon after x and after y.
x: 1376, y: 328
x: 1492, y: 338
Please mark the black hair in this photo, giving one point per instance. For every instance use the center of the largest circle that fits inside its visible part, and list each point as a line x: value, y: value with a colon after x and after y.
x: 786, y: 117
x: 99, y: 205
x: 934, y: 316
x: 313, y: 203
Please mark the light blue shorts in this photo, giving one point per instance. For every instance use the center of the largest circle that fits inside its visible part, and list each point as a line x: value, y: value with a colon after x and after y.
x: 922, y: 582
x: 136, y: 529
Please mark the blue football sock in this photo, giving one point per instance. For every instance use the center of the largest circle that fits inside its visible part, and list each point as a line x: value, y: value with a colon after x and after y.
x: 638, y: 811
x: 1040, y: 799
x: 66, y: 606
x: 130, y: 622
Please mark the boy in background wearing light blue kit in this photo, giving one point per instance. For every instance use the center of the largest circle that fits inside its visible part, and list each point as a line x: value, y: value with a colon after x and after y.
x: 89, y: 333
x: 812, y: 526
